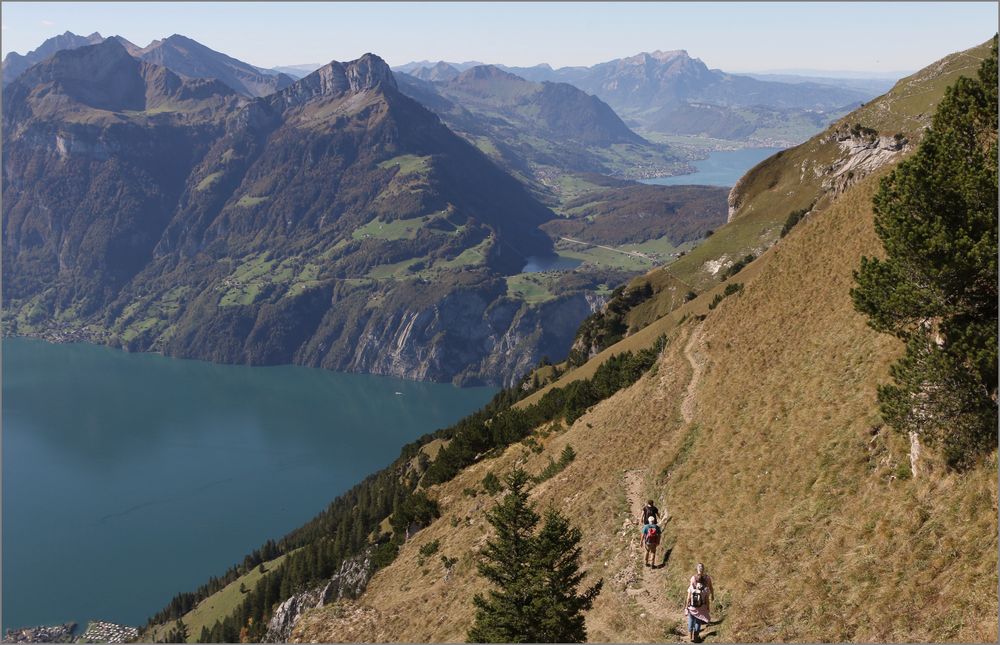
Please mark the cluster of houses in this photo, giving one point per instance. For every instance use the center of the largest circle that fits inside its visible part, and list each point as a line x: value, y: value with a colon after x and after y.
x: 102, y: 632
x: 97, y: 632
x: 46, y: 634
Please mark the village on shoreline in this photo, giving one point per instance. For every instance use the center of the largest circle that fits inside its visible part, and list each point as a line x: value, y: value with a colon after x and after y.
x: 97, y: 632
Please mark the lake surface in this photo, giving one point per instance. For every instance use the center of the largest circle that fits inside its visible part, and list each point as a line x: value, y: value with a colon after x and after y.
x: 539, y: 263
x: 128, y: 478
x: 722, y: 168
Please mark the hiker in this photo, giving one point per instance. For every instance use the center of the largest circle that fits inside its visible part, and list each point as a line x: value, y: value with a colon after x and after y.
x: 697, y: 606
x: 650, y: 539
x: 647, y: 510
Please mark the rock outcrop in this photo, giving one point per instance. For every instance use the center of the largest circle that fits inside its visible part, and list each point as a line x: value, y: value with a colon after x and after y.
x: 861, y: 155
x: 349, y: 582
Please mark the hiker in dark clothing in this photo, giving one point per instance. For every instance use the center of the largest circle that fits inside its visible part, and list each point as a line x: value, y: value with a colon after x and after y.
x: 647, y: 510
x: 650, y: 540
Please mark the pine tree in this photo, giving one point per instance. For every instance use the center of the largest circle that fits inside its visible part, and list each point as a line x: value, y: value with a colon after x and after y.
x: 178, y: 634
x: 535, y: 578
x: 504, y: 616
x: 557, y: 561
x: 936, y: 289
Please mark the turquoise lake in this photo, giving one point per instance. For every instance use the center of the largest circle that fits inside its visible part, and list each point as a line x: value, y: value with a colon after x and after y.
x: 128, y: 478
x: 722, y: 168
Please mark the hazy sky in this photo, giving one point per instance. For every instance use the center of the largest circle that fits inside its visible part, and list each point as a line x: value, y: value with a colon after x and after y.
x: 873, y: 37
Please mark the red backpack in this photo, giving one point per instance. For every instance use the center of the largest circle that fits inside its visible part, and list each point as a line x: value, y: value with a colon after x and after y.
x: 653, y: 535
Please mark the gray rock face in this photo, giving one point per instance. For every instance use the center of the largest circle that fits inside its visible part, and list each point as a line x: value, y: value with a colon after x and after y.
x: 735, y: 199
x: 469, y: 338
x: 860, y: 156
x: 337, y: 79
x: 349, y: 582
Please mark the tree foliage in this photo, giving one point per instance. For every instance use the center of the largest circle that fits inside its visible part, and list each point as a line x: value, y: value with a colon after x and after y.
x: 534, y: 598
x: 936, y: 289
x: 178, y: 633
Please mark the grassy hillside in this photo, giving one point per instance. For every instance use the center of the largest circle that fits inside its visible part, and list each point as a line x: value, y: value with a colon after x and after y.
x: 758, y: 431
x: 217, y: 606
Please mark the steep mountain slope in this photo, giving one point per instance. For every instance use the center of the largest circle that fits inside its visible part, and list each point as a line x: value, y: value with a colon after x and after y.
x: 191, y: 58
x: 334, y: 223
x: 775, y: 473
x: 539, y: 131
x: 97, y: 147
x: 15, y: 64
x: 758, y: 430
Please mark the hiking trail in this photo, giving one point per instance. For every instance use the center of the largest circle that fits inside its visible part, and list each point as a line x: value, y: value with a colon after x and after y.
x: 694, y: 352
x: 647, y: 588
x: 645, y: 585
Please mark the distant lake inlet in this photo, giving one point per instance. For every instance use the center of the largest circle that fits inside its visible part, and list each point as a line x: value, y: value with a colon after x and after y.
x: 721, y: 168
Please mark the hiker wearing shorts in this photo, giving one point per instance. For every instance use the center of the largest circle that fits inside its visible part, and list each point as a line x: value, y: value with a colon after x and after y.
x: 697, y: 607
x: 650, y: 540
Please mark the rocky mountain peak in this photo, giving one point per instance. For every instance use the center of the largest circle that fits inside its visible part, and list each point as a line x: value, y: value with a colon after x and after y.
x: 668, y: 55
x: 367, y: 73
x: 133, y: 49
x: 15, y: 64
x: 486, y: 73
x: 337, y: 79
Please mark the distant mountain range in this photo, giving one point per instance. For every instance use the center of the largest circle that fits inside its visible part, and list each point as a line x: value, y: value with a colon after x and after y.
x: 876, y: 85
x: 297, y: 71
x: 182, y: 55
x: 534, y: 129
x: 671, y: 93
x: 153, y: 211
x: 661, y: 94
x: 14, y: 64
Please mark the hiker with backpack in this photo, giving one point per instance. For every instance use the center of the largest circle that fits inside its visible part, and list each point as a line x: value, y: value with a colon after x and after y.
x: 697, y: 606
x: 647, y: 510
x: 650, y: 539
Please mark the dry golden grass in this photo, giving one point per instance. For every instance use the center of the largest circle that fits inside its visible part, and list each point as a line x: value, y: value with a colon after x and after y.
x: 778, y: 484
x: 782, y: 480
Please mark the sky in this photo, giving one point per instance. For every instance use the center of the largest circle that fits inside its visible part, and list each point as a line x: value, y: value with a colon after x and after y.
x: 733, y: 36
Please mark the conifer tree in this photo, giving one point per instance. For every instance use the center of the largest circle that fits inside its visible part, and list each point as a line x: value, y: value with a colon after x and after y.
x: 936, y: 289
x: 535, y: 578
x: 178, y: 634
x: 557, y: 561
x: 504, y: 616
